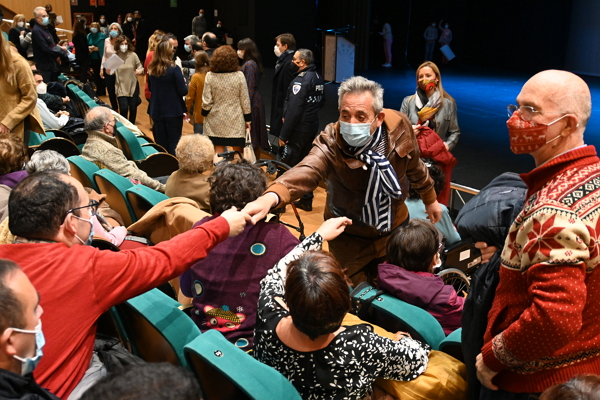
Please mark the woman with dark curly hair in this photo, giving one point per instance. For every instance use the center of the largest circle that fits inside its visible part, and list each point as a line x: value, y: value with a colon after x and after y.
x: 195, y: 154
x: 224, y: 286
x: 252, y: 70
x: 225, y: 102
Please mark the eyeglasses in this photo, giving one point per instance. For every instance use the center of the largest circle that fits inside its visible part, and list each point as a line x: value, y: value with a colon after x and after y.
x: 93, y: 208
x: 526, y: 112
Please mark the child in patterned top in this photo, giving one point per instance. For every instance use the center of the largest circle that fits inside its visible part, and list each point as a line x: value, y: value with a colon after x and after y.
x: 303, y: 336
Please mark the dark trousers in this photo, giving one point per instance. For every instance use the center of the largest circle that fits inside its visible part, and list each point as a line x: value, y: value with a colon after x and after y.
x: 167, y: 132
x: 100, y: 86
x: 300, y: 145
x: 84, y: 67
x: 128, y: 105
x: 110, y: 81
x: 50, y: 76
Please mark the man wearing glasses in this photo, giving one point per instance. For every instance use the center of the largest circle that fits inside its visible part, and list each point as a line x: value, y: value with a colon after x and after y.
x: 543, y: 325
x: 50, y: 213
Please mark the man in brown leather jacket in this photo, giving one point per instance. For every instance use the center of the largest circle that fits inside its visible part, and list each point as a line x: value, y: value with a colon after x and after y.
x: 367, y: 158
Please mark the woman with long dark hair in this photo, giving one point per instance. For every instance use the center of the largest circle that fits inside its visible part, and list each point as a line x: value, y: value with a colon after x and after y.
x: 252, y: 69
x: 167, y: 108
x: 225, y: 102
x: 82, y: 51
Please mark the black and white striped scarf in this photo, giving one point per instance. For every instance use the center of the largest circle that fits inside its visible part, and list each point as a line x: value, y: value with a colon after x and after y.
x: 383, y: 183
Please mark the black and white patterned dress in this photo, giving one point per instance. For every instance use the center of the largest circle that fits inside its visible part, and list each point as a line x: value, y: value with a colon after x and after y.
x: 348, y: 366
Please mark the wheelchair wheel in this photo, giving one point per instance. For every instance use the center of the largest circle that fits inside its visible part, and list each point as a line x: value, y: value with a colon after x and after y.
x: 457, y: 279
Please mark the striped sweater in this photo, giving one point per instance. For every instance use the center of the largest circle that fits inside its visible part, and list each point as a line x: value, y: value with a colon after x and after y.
x: 544, y: 325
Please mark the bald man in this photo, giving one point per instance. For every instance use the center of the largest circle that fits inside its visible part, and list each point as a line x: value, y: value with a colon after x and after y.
x: 544, y: 325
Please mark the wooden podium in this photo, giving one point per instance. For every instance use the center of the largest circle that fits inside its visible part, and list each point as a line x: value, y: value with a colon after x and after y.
x: 338, y: 57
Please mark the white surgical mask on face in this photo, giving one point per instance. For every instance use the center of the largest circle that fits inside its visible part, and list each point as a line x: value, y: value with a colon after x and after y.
x: 123, y: 48
x: 21, y: 24
x: 129, y: 19
x: 218, y: 25
x: 201, y: 15
x: 42, y: 88
x: 356, y: 135
x: 102, y: 20
x: 276, y: 51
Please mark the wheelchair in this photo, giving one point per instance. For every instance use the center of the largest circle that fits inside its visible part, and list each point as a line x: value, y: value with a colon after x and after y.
x: 459, y: 263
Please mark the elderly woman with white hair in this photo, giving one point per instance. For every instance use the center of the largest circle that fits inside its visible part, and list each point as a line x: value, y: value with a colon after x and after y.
x: 195, y: 154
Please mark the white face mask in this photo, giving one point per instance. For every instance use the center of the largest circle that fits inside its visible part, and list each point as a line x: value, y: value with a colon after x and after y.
x: 201, y: 15
x: 218, y: 25
x: 123, y: 48
x: 42, y: 88
x: 129, y: 19
x: 102, y: 20
x: 21, y: 24
x: 276, y: 51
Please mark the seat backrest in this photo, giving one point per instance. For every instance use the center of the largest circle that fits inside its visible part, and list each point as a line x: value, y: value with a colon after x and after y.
x: 142, y: 199
x: 83, y: 170
x: 159, y: 164
x: 227, y: 372
x: 114, y: 187
x: 156, y: 328
x: 452, y: 345
x: 61, y: 145
x: 35, y: 139
x: 395, y: 315
x: 129, y: 143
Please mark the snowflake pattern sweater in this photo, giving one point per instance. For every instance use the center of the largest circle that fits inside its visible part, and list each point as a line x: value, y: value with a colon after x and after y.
x: 544, y: 325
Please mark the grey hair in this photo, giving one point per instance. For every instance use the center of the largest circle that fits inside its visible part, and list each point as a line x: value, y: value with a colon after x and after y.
x: 118, y: 26
x: 44, y: 160
x: 96, y: 118
x: 192, y: 38
x: 35, y: 11
x: 306, y: 55
x: 359, y: 84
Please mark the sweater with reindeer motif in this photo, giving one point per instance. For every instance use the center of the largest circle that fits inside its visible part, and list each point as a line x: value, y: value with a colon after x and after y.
x: 544, y: 325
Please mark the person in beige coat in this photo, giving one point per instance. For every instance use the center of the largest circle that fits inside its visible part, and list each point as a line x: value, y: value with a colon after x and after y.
x: 225, y: 102
x: 18, y: 102
x: 101, y: 148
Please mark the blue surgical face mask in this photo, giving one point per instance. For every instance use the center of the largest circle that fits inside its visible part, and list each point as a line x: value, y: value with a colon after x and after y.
x: 28, y: 364
x: 94, y: 30
x: 45, y: 21
x: 88, y: 242
x: 187, y: 48
x: 113, y: 34
x: 356, y: 135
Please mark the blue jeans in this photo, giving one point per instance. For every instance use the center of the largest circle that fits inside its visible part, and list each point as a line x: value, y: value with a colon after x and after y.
x: 167, y: 132
x: 487, y: 394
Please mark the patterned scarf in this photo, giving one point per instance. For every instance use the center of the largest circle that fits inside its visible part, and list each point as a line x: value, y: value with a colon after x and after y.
x: 427, y: 107
x: 383, y: 184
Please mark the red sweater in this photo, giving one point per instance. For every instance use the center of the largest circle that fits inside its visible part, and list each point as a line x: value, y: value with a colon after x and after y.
x: 544, y: 325
x: 78, y: 284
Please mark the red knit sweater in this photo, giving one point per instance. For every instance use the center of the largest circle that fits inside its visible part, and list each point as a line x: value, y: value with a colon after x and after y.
x: 78, y: 284
x: 544, y: 325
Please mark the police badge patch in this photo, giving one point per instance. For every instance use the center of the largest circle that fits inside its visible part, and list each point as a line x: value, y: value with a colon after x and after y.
x: 296, y: 88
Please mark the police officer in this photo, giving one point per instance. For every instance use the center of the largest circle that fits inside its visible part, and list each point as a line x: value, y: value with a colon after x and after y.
x: 301, y: 114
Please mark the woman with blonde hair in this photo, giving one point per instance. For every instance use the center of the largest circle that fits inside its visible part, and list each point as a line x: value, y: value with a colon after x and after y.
x: 114, y: 31
x: 195, y: 154
x: 18, y: 104
x: 20, y: 36
x: 431, y: 106
x: 128, y: 27
x: 193, y: 101
x: 153, y: 42
x: 126, y: 86
x: 225, y: 102
x: 167, y: 108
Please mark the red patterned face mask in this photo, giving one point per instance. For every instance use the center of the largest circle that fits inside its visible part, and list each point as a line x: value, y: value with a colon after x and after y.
x: 427, y: 84
x: 527, y: 136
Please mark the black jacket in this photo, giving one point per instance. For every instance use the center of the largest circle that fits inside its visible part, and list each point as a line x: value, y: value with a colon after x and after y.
x: 281, y: 81
x: 14, y: 35
x: 45, y: 50
x: 13, y: 386
x: 82, y: 50
x: 487, y: 217
x: 302, y: 103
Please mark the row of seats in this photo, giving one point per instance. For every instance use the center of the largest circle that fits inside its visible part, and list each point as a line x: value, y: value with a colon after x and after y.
x: 129, y: 200
x: 395, y: 315
x: 155, y: 329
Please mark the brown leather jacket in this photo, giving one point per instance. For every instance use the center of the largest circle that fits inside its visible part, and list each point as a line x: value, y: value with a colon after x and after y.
x: 347, y: 180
